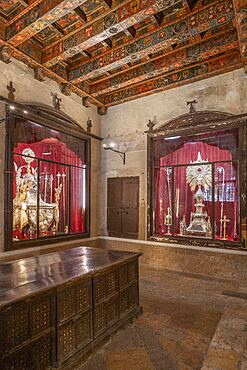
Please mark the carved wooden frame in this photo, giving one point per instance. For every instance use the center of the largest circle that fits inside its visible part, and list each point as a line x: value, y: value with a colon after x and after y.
x: 56, y: 120
x: 185, y: 125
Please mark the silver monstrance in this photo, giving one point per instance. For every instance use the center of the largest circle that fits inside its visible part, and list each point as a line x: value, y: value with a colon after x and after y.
x: 197, y: 176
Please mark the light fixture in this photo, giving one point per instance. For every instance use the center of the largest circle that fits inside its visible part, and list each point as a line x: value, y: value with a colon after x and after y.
x: 111, y: 147
x: 25, y: 111
x: 172, y: 137
x: 12, y: 107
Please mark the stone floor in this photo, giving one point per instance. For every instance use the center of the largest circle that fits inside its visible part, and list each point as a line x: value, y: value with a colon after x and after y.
x: 181, y: 314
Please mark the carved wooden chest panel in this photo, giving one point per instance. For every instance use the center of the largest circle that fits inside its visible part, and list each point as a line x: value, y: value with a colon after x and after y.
x: 50, y: 319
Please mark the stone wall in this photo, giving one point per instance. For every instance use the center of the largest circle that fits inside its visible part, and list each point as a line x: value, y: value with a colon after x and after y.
x: 30, y: 90
x: 213, y: 262
x: 125, y: 125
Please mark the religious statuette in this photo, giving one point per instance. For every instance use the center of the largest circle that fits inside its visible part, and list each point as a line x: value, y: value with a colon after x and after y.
x: 199, y: 176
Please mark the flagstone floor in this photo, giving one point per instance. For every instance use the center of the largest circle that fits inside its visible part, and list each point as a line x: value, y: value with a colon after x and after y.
x: 181, y: 313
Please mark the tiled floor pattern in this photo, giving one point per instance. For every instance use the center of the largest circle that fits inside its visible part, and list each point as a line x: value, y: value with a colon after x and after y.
x: 181, y: 314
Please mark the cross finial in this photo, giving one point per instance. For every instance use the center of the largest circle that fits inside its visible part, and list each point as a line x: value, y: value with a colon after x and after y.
x: 56, y: 101
x: 191, y: 104
x: 150, y: 125
x: 11, y: 91
x: 89, y: 125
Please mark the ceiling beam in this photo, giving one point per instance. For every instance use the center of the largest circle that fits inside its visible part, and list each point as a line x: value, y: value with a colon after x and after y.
x: 130, y: 31
x: 87, y: 54
x: 113, y: 23
x: 190, y: 4
x: 240, y: 8
x: 207, y: 18
x: 24, y: 2
x: 108, y: 3
x: 190, y: 74
x: 159, y: 17
x: 81, y: 14
x: 107, y: 43
x: 58, y: 28
x: 19, y: 55
x: 194, y: 52
x: 21, y: 13
x: 38, y: 18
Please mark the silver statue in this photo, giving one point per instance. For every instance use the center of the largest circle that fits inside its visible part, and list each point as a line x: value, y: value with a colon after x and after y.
x: 25, y: 201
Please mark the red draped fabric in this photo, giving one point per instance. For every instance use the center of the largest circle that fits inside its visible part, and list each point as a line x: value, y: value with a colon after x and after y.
x: 51, y: 149
x: 183, y: 200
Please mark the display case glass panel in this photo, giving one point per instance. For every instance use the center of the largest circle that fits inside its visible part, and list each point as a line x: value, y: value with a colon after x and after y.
x: 78, y: 200
x: 163, y: 200
x: 49, y: 183
x: 226, y: 201
x: 196, y: 186
x: 53, y: 199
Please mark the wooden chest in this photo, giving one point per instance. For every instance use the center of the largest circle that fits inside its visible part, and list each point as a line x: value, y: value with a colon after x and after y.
x: 54, y: 309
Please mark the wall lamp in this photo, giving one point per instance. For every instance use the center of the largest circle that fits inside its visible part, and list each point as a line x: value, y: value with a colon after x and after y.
x: 111, y: 147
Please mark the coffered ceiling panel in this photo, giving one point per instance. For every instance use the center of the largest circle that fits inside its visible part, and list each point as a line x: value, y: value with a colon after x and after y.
x: 111, y: 51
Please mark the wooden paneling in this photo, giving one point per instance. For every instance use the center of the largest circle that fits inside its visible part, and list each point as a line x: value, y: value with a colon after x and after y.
x: 114, y: 211
x: 123, y: 207
x: 69, y: 313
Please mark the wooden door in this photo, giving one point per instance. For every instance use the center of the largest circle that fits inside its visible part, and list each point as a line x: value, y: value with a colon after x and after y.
x: 123, y: 207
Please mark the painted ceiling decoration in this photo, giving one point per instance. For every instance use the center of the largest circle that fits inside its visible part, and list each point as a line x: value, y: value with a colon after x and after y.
x: 112, y: 51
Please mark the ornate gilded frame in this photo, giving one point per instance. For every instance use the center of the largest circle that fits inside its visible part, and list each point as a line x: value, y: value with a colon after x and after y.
x: 196, y: 123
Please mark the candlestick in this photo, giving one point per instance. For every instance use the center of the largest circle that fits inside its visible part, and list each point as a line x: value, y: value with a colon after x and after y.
x: 51, y: 188
x: 46, y: 179
x: 168, y: 220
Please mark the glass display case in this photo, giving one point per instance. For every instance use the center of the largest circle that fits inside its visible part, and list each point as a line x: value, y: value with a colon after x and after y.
x: 195, y: 186
x: 50, y: 175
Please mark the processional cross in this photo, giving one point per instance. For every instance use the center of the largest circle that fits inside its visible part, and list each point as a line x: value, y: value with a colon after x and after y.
x: 224, y: 220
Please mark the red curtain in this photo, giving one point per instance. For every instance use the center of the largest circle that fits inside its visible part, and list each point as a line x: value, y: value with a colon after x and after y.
x: 183, y: 200
x: 54, y: 150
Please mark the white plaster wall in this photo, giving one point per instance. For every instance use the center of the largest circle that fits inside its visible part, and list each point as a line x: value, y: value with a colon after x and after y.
x: 125, y: 125
x: 30, y: 90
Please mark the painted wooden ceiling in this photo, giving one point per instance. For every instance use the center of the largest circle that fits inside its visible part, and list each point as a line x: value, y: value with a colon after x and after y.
x: 112, y: 51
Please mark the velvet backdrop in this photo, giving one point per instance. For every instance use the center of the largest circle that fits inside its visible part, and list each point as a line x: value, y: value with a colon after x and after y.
x: 183, y: 196
x: 54, y: 150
